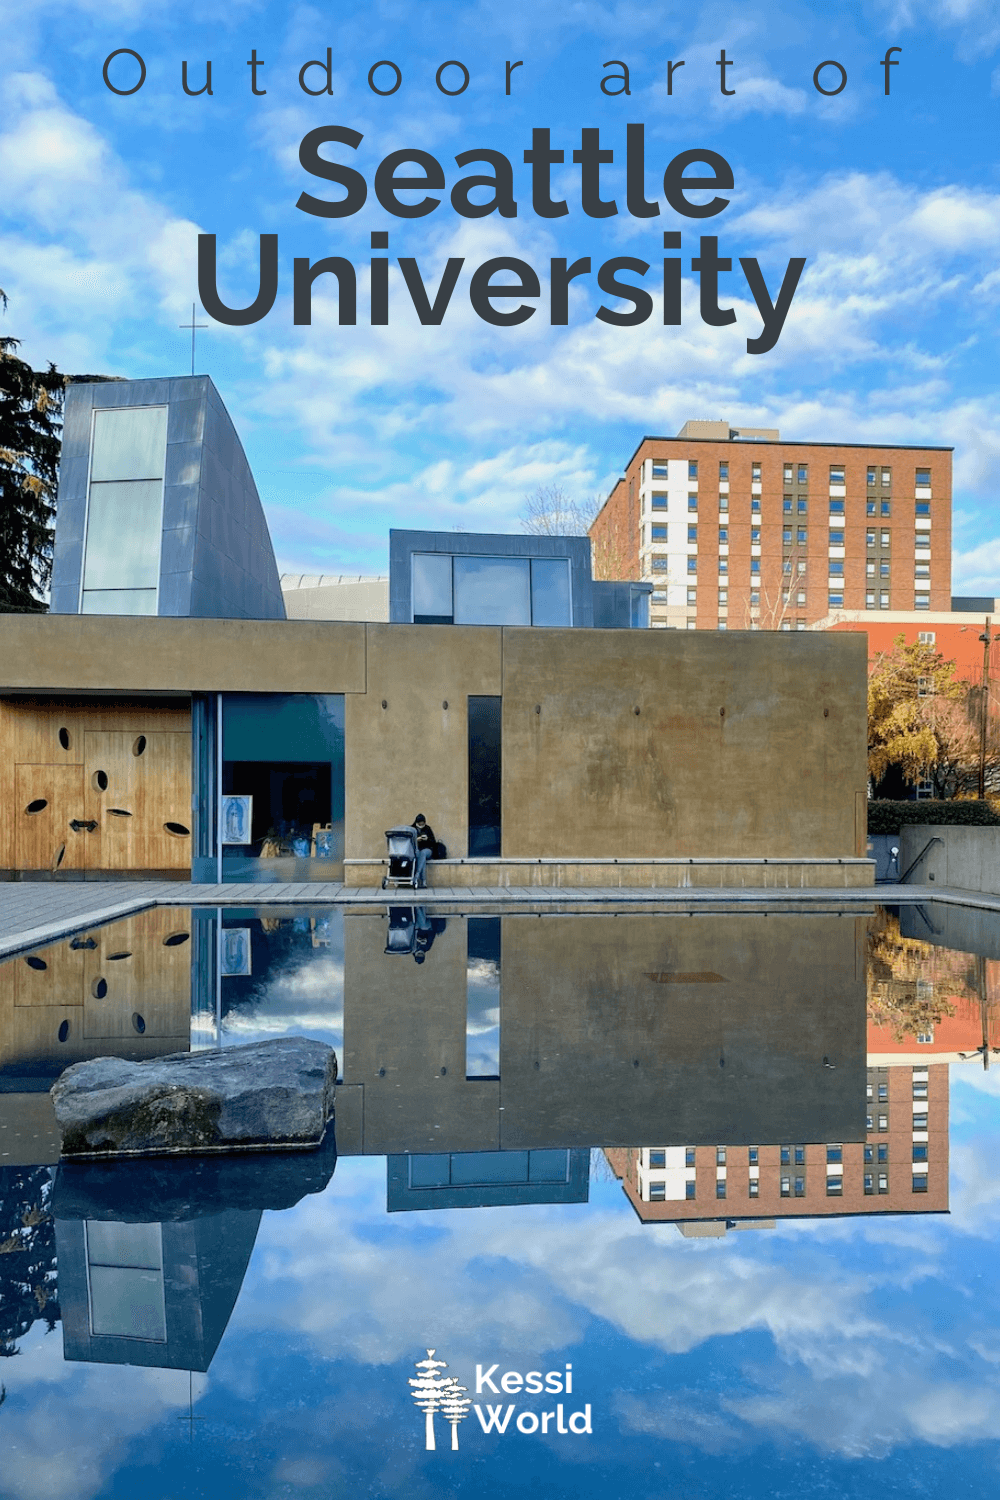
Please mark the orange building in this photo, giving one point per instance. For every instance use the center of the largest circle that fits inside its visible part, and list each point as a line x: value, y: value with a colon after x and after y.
x: 955, y: 634
x: 736, y: 529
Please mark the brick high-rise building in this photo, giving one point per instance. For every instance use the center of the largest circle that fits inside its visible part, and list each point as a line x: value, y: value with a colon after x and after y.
x: 738, y: 530
x: 901, y: 1166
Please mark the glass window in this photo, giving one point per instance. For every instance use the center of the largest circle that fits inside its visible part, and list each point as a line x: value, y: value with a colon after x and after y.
x: 835, y: 601
x: 923, y: 508
x: 692, y: 502
x: 920, y: 1122
x: 786, y: 1187
x: 800, y: 597
x: 752, y: 1155
x: 883, y: 1182
x: 723, y: 502
x: 720, y: 1187
x: 118, y: 602
x: 660, y: 471
x: 129, y: 443
x: 883, y: 1122
x: 803, y: 473
x: 885, y: 509
x: 755, y: 565
x: 802, y: 536
x: 836, y: 569
x: 869, y: 538
x: 689, y: 1156
x: 550, y: 594
x: 722, y: 625
x: 837, y: 474
x: 723, y: 534
x: 692, y: 533
x: 922, y: 539
x: 834, y: 1187
x: 755, y: 505
x: 723, y: 471
x: 492, y: 591
x: 786, y: 536
x: 658, y: 1158
x: 919, y: 1090
x: 754, y: 472
x: 720, y: 1156
x: 883, y: 600
x: 886, y: 476
x: 661, y: 564
x: 754, y: 597
x: 836, y: 507
x: 659, y: 501
x: 786, y: 1155
x: 692, y: 596
x: 124, y: 524
x: 125, y: 1274
x: 920, y: 1182
x: 430, y: 575
x: 869, y: 1182
x: 870, y: 569
x: 689, y: 1189
x: 800, y: 1156
x: 836, y: 538
x: 919, y: 1151
x: 871, y: 509
x: 869, y: 1152
x: 922, y: 570
x: 657, y: 1192
x: 692, y: 565
x: 786, y: 505
x: 723, y: 565
x: 923, y: 478
x: 871, y: 476
x: 723, y: 596
x: 886, y: 538
x: 802, y: 506
x: 658, y: 533
x: 788, y: 473
x: 800, y: 1186
x: 753, y: 1187
x: 754, y: 534
x: 692, y: 469
x: 786, y: 565
x: 921, y: 601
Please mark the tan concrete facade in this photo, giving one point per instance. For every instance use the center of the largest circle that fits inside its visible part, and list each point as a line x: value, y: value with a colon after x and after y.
x: 755, y: 513
x: 625, y: 745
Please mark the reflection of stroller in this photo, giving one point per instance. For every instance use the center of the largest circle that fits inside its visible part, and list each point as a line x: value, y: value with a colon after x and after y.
x: 401, y: 846
x: 412, y: 932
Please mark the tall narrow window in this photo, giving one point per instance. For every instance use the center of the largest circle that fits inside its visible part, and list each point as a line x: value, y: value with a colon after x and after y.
x: 121, y: 565
x: 484, y: 776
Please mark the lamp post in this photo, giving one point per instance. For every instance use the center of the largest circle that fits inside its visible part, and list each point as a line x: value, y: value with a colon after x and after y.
x: 987, y: 640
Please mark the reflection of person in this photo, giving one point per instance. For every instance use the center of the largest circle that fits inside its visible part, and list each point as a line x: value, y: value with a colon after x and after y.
x: 425, y: 846
x: 427, y: 929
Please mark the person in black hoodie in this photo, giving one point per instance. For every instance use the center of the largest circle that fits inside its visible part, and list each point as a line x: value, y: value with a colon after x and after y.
x: 425, y: 846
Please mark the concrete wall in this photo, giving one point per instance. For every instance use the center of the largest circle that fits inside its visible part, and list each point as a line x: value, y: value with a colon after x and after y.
x: 616, y: 744
x: 632, y: 743
x: 966, y: 858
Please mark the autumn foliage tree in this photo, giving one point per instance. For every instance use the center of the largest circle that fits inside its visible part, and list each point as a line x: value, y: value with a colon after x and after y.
x: 923, y: 722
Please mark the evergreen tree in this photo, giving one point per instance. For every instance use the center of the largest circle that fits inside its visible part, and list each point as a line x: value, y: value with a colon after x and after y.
x: 30, y: 426
x: 28, y: 1286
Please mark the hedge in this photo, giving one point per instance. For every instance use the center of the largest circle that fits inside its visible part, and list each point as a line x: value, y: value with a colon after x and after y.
x: 887, y: 817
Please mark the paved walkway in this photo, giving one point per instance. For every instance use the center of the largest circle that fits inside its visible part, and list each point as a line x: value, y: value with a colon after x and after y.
x: 34, y: 913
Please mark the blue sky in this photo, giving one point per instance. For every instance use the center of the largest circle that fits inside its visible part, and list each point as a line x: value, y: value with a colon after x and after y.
x: 847, y: 1356
x: 894, y: 203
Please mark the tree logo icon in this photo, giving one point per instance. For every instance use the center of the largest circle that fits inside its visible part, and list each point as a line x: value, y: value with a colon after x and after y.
x: 434, y: 1392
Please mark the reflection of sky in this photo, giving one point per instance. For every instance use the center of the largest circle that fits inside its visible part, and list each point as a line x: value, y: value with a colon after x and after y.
x: 482, y: 1025
x: 825, y: 1358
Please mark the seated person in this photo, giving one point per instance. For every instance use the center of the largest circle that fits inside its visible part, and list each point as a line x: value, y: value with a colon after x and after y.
x: 425, y: 846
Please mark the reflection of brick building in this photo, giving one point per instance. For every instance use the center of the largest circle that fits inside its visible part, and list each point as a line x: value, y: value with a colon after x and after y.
x: 901, y: 1167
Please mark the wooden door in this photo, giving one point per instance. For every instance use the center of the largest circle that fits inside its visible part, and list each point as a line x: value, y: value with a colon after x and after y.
x: 48, y: 801
x: 138, y: 789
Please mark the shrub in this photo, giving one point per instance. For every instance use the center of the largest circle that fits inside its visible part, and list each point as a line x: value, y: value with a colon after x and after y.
x: 888, y: 817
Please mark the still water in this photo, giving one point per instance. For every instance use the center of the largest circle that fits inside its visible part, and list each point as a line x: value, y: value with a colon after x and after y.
x: 685, y: 1205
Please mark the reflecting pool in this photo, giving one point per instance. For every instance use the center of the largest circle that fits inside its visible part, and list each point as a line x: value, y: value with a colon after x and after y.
x: 615, y: 1204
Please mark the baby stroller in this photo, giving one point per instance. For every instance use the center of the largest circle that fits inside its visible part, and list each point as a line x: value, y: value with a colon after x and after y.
x: 401, y: 847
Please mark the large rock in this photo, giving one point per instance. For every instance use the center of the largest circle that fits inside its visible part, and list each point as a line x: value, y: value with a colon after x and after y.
x: 269, y: 1095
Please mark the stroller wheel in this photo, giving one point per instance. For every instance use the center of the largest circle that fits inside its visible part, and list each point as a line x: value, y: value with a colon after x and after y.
x: 383, y: 884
